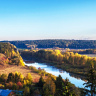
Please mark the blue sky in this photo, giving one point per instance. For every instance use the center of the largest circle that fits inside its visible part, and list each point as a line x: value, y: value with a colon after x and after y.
x: 47, y: 19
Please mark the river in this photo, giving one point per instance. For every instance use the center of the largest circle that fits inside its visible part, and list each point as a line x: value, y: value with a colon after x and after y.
x: 55, y: 71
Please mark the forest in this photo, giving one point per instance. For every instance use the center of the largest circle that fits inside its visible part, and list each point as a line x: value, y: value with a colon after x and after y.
x: 73, y: 44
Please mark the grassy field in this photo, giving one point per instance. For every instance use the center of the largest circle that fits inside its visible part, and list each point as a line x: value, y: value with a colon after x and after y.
x: 24, y: 70
x: 90, y: 55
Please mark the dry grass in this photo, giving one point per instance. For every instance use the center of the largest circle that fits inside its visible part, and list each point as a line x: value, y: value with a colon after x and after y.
x: 23, y: 70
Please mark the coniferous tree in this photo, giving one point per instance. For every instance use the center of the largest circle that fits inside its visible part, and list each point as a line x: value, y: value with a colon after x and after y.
x: 49, y: 87
x: 91, y: 81
x: 59, y: 86
x: 40, y: 83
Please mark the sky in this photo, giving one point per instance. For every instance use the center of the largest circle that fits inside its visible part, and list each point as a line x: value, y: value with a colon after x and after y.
x: 47, y: 19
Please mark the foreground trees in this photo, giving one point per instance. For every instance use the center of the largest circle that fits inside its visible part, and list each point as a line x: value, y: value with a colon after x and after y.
x: 56, y: 87
x: 59, y: 86
x: 49, y: 87
x: 90, y: 85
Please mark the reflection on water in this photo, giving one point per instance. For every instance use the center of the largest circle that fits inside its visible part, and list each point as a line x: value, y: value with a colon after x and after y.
x: 56, y: 72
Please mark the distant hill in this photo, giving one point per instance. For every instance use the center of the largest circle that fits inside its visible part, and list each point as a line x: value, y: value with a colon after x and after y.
x: 73, y: 44
x: 9, y: 55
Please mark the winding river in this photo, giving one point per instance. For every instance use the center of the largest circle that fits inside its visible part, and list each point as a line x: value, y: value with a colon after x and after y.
x: 55, y: 71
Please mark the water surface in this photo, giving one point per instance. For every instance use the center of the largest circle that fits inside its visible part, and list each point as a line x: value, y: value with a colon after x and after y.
x: 55, y: 71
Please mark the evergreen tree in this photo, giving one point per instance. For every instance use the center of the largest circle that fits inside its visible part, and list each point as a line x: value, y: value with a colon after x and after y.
x: 40, y: 83
x: 11, y: 77
x: 91, y: 81
x: 65, y: 88
x: 59, y: 86
x: 49, y: 87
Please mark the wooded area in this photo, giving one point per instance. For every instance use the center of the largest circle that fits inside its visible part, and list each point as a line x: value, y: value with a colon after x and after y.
x: 73, y: 44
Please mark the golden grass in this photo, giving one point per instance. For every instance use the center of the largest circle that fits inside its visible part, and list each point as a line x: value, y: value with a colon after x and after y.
x: 22, y: 69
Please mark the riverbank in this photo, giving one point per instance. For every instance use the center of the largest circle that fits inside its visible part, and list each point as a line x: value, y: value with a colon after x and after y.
x: 73, y: 70
x: 56, y: 72
x: 71, y: 62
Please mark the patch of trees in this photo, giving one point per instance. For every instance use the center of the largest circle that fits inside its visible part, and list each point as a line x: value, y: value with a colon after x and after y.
x: 11, y: 54
x: 90, y: 85
x: 45, y: 87
x: 73, y: 44
x: 57, y: 56
x: 15, y: 81
x: 88, y: 51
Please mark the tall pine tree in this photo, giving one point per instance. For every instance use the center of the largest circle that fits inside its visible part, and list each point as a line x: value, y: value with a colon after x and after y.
x: 90, y: 85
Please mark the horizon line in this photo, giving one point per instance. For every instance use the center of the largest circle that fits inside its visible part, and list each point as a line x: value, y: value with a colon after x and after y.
x: 50, y: 39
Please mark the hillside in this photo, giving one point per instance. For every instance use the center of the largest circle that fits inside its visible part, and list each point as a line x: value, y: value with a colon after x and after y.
x: 3, y: 60
x: 9, y: 55
x: 10, y: 60
x: 73, y: 44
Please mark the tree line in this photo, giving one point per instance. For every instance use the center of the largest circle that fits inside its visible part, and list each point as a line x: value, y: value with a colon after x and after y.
x: 73, y: 44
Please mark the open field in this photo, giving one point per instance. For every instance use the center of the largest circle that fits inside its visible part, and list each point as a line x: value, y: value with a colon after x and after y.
x: 90, y: 55
x: 21, y: 69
